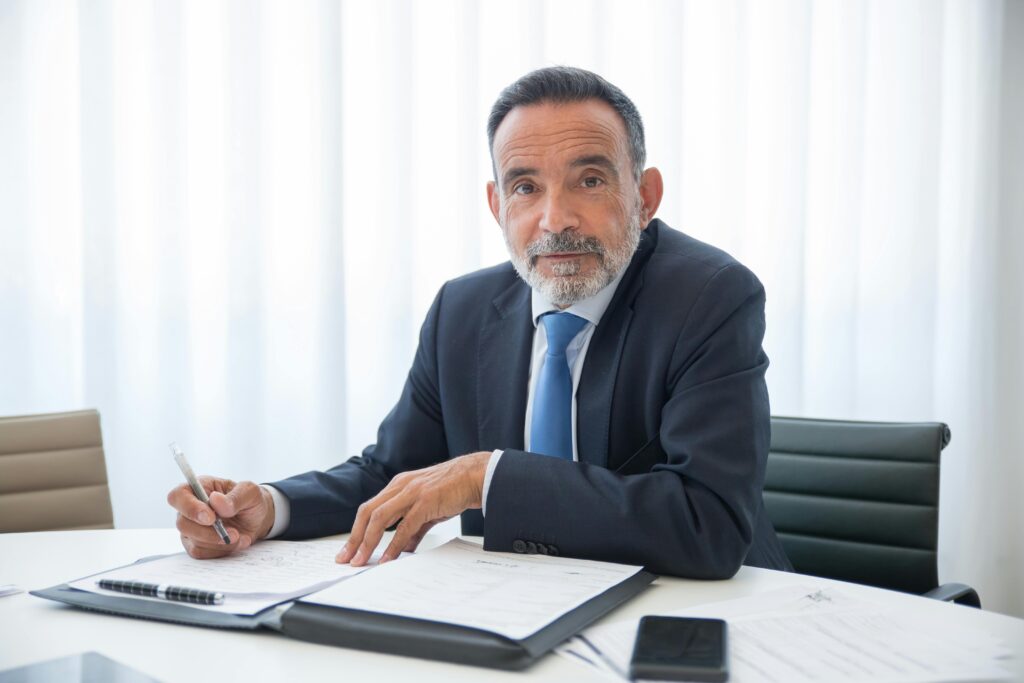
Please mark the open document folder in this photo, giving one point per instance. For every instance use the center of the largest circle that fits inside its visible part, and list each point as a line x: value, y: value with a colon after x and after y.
x: 454, y: 603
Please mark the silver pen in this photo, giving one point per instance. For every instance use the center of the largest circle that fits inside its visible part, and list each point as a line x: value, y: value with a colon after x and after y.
x: 198, y: 489
x: 163, y: 591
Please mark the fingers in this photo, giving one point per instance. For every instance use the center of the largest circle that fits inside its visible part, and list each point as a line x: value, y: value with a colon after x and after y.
x: 204, y: 534
x: 437, y: 492
x: 184, y: 501
x: 202, y: 541
x: 407, y: 536
x: 211, y: 484
x: 414, y: 542
x: 377, y: 523
x: 240, y: 498
x: 372, y: 519
x: 355, y: 537
x: 195, y: 519
x: 205, y: 552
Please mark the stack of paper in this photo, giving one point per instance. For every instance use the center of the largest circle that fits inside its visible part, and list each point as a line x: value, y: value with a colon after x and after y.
x: 803, y: 634
x: 253, y: 579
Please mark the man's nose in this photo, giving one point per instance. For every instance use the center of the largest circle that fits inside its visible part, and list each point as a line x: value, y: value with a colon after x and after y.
x: 557, y: 213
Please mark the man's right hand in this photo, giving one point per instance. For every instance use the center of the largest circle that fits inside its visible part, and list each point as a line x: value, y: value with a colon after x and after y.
x: 246, y: 509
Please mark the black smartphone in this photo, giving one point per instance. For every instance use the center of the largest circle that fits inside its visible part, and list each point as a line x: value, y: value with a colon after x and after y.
x: 679, y: 649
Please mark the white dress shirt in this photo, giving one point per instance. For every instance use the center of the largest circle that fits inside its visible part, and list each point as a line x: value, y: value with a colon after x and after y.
x: 591, y: 310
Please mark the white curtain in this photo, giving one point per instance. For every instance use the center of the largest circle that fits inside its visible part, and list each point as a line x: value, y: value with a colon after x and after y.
x: 222, y: 222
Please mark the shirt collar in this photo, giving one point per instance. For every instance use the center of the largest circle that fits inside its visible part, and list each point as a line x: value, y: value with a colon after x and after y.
x: 590, y: 309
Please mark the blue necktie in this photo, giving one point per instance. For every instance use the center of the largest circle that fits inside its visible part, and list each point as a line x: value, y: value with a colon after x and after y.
x: 551, y: 422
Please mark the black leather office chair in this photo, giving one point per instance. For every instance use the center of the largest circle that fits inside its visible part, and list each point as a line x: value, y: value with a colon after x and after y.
x: 858, y: 501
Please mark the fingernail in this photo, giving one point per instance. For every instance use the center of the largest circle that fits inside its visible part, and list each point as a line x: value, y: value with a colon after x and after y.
x: 204, y: 517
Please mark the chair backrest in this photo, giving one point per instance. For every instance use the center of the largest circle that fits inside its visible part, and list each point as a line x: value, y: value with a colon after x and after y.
x: 857, y: 501
x: 52, y: 473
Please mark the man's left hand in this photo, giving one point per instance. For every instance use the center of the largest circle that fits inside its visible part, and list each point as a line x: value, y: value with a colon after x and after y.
x: 421, y: 499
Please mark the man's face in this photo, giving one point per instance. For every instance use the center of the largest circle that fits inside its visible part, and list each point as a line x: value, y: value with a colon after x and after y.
x: 566, y: 198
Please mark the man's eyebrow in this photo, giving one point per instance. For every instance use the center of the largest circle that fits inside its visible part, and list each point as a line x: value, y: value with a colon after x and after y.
x: 516, y: 172
x: 599, y: 160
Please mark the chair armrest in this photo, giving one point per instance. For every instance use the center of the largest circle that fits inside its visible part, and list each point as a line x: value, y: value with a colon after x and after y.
x: 959, y: 593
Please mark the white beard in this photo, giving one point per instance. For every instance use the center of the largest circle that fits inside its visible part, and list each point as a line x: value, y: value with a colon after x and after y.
x: 567, y: 286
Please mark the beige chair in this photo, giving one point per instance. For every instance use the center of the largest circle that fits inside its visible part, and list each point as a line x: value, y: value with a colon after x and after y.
x: 52, y: 474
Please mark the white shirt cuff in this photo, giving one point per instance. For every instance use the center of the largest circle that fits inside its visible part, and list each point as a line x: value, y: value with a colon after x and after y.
x: 282, y: 511
x: 491, y: 464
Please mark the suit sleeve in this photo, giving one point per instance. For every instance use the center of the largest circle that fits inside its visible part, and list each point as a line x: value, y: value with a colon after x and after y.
x: 692, y: 516
x: 410, y: 437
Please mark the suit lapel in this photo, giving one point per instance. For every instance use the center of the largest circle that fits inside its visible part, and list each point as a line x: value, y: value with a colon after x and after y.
x: 506, y: 345
x: 601, y: 365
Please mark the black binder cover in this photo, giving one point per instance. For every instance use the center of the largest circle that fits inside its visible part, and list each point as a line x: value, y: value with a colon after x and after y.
x: 372, y: 631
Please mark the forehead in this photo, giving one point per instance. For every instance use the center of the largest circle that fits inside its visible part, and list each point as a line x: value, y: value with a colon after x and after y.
x: 550, y: 131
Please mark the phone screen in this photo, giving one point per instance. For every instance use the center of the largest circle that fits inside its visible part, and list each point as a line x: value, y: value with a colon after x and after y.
x: 677, y: 648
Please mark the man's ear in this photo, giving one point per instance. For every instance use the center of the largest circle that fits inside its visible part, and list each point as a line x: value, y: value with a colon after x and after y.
x: 493, y: 200
x: 651, y: 189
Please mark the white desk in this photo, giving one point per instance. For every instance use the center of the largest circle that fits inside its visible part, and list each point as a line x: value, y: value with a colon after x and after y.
x: 32, y: 629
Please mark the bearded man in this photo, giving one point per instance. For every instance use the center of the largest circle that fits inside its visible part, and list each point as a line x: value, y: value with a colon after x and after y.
x: 601, y: 396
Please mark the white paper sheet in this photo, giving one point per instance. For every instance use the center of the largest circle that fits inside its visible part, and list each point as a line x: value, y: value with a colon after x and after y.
x: 507, y: 593
x: 800, y: 633
x: 253, y: 579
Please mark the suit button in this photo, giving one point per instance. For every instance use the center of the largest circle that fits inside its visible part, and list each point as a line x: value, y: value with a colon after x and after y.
x: 531, y: 547
x: 553, y: 550
x: 518, y: 546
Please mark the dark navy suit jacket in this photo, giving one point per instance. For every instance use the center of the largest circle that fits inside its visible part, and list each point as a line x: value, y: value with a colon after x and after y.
x: 672, y: 420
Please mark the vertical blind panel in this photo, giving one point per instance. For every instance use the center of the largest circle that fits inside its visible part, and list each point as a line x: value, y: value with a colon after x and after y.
x: 47, y: 274
x: 900, y: 200
x: 834, y: 180
x: 202, y: 298
x: 292, y: 189
x: 773, y: 219
x: 710, y: 113
x: 377, y: 120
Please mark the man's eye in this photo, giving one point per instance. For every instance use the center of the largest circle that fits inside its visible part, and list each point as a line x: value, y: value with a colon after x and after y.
x: 592, y: 181
x: 523, y: 188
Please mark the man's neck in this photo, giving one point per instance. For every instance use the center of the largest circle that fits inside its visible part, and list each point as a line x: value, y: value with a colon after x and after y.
x: 591, y: 309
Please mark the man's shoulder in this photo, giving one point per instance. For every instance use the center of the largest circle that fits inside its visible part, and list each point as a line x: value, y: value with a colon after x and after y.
x: 476, y: 290
x: 674, y: 245
x: 678, y: 256
x: 501, y: 275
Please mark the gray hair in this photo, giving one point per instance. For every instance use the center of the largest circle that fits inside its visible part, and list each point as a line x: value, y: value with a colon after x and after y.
x: 563, y: 84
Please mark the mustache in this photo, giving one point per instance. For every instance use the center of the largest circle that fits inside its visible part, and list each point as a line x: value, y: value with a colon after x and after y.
x: 562, y: 242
